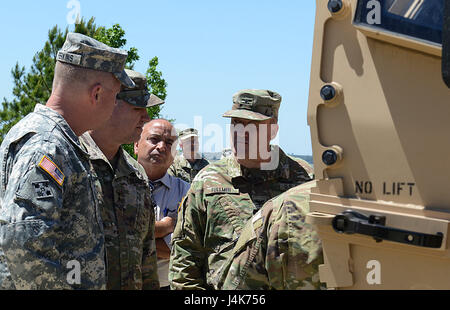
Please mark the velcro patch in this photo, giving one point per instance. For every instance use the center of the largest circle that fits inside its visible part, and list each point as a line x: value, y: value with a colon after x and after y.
x: 52, y: 169
x: 42, y: 189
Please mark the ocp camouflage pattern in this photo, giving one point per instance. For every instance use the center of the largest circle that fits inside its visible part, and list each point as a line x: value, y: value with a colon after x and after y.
x: 277, y: 249
x: 129, y: 220
x: 222, y: 198
x: 45, y: 225
x: 305, y: 166
x: 181, y: 168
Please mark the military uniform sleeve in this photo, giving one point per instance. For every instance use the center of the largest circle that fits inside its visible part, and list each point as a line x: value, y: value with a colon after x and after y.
x: 276, y: 250
x: 29, y: 222
x: 294, y: 250
x: 245, y: 269
x: 187, y: 260
x: 150, y: 279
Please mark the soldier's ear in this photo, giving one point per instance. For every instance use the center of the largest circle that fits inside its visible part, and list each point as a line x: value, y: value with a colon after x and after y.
x: 136, y: 147
x: 95, y: 93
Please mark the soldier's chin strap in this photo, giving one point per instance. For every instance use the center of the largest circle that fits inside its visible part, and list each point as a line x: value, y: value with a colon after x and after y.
x: 446, y: 44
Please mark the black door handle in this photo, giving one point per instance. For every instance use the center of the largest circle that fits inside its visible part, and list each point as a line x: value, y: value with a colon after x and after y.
x: 352, y: 222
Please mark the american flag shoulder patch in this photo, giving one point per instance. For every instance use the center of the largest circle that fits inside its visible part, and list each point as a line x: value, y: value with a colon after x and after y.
x: 52, y: 169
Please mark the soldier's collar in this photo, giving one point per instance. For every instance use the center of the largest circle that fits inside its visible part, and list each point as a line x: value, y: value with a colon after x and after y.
x: 62, y: 124
x: 278, y: 168
x: 93, y: 150
x: 125, y: 167
x: 195, y: 160
x: 234, y: 169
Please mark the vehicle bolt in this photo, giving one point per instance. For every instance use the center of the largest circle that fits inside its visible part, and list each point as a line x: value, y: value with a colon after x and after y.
x: 335, y: 6
x: 329, y: 157
x: 327, y: 92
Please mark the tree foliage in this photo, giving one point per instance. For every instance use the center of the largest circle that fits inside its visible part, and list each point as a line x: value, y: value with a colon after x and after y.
x: 34, y: 86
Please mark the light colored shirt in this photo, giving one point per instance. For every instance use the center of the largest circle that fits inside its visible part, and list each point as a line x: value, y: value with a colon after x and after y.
x: 167, y: 194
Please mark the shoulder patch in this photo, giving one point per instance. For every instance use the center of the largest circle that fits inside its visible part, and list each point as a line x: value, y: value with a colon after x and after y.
x: 52, y: 169
x: 42, y: 189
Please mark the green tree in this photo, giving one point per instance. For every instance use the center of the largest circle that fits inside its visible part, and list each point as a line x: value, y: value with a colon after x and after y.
x: 34, y: 86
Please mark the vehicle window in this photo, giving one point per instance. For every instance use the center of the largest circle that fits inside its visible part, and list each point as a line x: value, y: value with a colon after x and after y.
x: 419, y: 19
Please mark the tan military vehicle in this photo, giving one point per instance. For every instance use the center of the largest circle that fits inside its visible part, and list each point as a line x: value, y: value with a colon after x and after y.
x: 379, y: 114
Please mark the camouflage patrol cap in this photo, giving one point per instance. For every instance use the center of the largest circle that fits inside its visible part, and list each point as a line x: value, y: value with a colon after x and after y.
x: 255, y: 104
x: 138, y: 95
x: 187, y: 133
x: 83, y: 51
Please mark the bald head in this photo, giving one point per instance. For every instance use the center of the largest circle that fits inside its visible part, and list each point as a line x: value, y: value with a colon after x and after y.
x: 159, y: 122
x: 156, y: 147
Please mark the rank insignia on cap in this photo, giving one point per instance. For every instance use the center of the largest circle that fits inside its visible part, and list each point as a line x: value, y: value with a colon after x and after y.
x: 246, y: 102
x: 52, y: 169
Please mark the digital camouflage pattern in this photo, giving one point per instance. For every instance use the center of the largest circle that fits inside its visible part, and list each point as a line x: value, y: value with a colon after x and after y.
x: 83, y: 51
x: 255, y: 104
x: 277, y: 249
x: 138, y: 95
x: 187, y: 133
x: 222, y: 198
x: 183, y: 169
x: 128, y: 218
x: 45, y: 227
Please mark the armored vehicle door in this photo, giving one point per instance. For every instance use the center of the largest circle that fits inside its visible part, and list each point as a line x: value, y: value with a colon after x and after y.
x: 379, y: 115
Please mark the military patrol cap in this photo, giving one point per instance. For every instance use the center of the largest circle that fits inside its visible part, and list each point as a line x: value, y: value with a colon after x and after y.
x: 138, y: 95
x: 187, y: 133
x: 83, y: 51
x: 255, y: 104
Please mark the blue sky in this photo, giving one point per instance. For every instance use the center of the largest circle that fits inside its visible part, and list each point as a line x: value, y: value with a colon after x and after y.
x: 208, y: 50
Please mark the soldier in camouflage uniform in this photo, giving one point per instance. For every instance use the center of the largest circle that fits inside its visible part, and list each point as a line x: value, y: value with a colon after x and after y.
x: 127, y: 207
x: 188, y: 164
x: 226, y: 194
x: 226, y: 152
x: 277, y: 249
x: 308, y: 168
x: 51, y: 233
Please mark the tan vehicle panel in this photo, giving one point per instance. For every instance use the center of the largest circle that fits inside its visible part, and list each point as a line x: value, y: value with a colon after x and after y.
x: 380, y: 146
